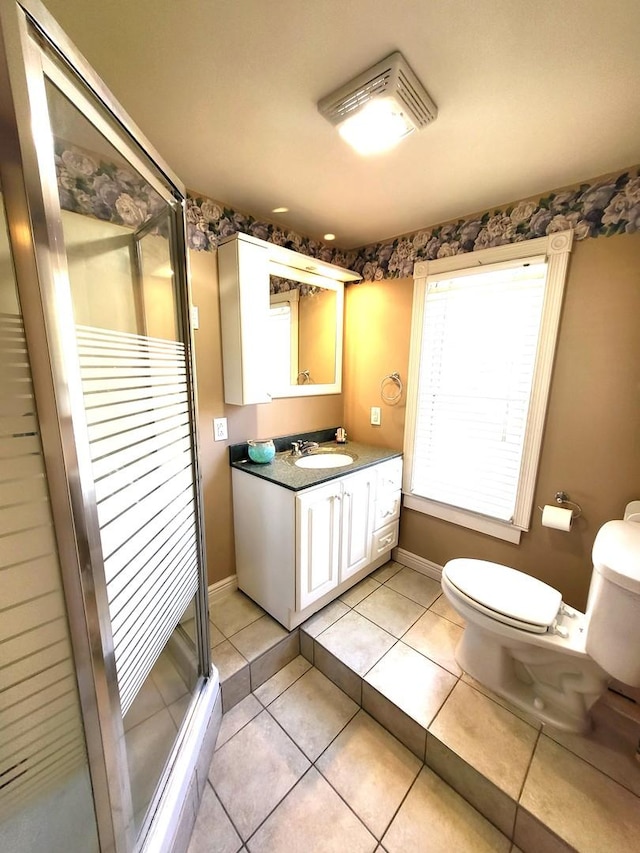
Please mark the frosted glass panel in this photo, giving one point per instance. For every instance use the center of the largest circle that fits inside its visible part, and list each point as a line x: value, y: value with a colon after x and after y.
x: 145, y: 491
x: 43, y: 764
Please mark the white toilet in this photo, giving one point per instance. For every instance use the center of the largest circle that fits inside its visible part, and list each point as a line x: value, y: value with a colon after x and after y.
x: 522, y: 642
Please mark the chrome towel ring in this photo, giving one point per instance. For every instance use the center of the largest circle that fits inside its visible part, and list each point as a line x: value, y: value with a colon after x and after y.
x: 391, y: 388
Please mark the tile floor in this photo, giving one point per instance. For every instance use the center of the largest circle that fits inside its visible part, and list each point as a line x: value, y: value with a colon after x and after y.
x: 373, y: 739
x: 150, y: 728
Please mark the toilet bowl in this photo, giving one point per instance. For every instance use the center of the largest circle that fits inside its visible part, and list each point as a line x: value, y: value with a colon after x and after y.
x: 545, y: 657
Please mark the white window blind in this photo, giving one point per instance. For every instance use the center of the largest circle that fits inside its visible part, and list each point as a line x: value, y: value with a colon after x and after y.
x: 479, y: 343
x: 483, y: 336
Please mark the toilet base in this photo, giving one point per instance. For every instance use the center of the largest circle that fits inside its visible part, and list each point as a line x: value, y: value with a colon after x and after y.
x: 558, y: 689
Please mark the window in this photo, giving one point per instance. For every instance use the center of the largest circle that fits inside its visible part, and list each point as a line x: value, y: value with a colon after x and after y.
x: 282, y: 338
x: 483, y: 337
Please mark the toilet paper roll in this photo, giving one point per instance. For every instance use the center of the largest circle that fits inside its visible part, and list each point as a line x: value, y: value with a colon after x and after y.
x: 557, y: 517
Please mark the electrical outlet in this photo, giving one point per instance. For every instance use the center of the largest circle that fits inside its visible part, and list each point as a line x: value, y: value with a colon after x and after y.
x: 375, y: 415
x: 219, y: 429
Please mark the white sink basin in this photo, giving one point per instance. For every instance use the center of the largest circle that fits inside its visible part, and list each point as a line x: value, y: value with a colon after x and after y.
x: 324, y: 460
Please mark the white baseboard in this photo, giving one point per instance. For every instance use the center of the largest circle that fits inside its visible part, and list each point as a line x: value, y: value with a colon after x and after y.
x: 218, y: 590
x: 420, y: 564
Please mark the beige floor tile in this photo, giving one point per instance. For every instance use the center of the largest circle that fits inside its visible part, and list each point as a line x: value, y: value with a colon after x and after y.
x: 284, y: 678
x: 356, y: 641
x: 179, y: 708
x: 482, y: 688
x: 610, y: 745
x: 235, y: 688
x: 532, y: 835
x: 371, y: 770
x: 258, y: 637
x: 436, y: 638
x: 442, y: 607
x: 168, y: 680
x: 275, y: 658
x: 148, y: 702
x: 323, y: 618
x: 587, y: 809
x: 434, y: 818
x: 394, y: 720
x: 361, y: 590
x: 215, y: 635
x: 416, y: 586
x: 390, y: 610
x: 312, y: 819
x: 213, y: 831
x: 477, y: 790
x: 237, y: 718
x: 148, y: 747
x: 254, y: 770
x: 234, y: 612
x: 312, y: 712
x: 227, y: 660
x: 339, y: 673
x: 387, y: 571
x: 488, y: 737
x: 412, y: 682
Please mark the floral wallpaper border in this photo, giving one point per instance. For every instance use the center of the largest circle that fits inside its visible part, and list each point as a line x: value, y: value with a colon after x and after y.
x: 600, y: 208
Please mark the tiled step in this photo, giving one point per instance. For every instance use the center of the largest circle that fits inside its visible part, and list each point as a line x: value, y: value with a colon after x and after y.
x: 388, y: 644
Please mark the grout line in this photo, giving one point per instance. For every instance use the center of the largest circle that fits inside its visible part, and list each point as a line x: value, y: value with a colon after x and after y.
x: 287, y: 688
x: 222, y: 806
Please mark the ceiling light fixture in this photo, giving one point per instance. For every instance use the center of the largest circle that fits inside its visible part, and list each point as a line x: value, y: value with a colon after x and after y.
x: 329, y: 237
x: 379, y: 107
x: 280, y: 210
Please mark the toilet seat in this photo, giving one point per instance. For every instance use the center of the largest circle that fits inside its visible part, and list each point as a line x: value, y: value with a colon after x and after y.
x: 504, y: 594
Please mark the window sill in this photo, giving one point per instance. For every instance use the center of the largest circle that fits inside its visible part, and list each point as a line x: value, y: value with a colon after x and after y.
x: 480, y: 523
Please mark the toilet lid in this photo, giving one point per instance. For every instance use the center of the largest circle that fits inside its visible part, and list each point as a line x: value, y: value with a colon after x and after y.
x: 506, y: 594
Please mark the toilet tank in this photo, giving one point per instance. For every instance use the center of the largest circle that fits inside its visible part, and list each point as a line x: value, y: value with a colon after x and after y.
x: 613, y: 608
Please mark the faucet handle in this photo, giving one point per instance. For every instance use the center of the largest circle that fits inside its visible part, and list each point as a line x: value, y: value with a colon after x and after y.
x: 295, y: 448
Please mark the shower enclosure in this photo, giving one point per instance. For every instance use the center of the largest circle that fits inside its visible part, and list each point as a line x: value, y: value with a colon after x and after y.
x: 107, y: 693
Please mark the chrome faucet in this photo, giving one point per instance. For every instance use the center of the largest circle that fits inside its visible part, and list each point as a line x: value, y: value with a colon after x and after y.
x: 308, y: 446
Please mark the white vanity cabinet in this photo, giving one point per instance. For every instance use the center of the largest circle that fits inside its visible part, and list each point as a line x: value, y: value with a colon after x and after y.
x: 296, y: 551
x: 334, y: 526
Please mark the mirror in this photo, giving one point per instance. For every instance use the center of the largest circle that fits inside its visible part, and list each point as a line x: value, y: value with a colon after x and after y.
x: 302, y: 336
x: 281, y: 321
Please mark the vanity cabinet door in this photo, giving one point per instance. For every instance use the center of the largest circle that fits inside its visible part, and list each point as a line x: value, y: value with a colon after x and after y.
x: 358, y: 504
x: 318, y: 515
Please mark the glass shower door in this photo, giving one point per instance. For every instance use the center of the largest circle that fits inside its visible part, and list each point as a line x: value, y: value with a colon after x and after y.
x: 110, y: 308
x: 120, y: 242
x: 43, y: 761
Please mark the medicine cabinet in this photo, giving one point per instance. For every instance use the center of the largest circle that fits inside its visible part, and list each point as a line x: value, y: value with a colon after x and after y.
x: 282, y: 321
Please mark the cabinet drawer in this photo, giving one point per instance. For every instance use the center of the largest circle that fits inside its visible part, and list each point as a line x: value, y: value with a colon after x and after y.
x: 385, y: 539
x: 387, y: 509
x: 390, y: 476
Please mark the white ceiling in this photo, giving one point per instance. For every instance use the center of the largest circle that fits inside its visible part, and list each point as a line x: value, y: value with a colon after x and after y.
x: 532, y: 95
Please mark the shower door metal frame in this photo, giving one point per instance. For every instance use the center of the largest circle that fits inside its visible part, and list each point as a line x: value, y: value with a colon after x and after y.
x: 33, y: 210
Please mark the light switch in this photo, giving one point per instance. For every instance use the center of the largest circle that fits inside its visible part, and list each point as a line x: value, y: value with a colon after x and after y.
x: 375, y: 415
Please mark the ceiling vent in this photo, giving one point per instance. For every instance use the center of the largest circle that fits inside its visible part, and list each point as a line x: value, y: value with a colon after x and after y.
x: 391, y: 82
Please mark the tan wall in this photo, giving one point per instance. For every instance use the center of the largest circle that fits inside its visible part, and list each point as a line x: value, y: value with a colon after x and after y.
x: 591, y: 445
x: 377, y: 325
x: 264, y: 421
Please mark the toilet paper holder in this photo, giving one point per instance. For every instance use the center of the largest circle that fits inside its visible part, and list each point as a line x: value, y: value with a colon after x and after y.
x: 562, y: 498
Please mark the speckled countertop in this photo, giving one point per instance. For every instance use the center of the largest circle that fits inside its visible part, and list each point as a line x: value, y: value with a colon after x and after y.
x: 284, y: 472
